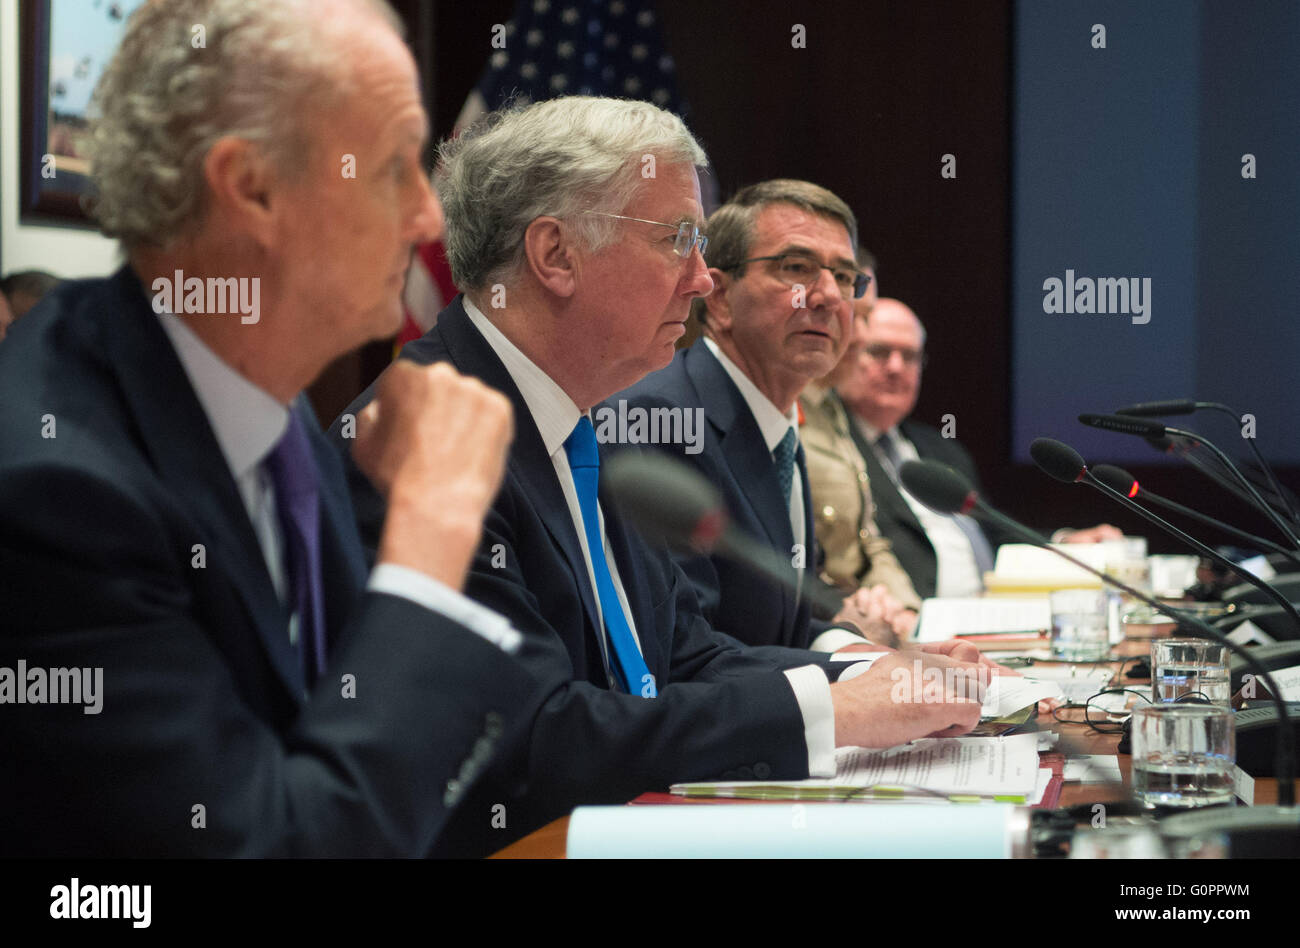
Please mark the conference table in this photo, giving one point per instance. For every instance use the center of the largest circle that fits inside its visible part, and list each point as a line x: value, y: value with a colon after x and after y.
x: 1074, y: 737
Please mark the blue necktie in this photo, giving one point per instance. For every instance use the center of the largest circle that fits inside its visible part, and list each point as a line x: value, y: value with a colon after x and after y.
x: 584, y: 461
x: 783, y: 458
x: 297, y: 499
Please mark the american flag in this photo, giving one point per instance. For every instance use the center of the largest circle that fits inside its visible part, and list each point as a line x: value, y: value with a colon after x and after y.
x: 552, y: 48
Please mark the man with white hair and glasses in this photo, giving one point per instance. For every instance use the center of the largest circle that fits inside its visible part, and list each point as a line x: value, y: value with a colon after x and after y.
x: 573, y: 230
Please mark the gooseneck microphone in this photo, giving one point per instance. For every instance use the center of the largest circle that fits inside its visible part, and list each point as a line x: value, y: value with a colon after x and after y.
x: 945, y: 491
x: 1178, y: 448
x: 1153, y: 430
x: 1186, y: 406
x: 1120, y: 480
x: 668, y: 502
x: 1125, y: 424
x: 1062, y: 462
x: 1170, y: 406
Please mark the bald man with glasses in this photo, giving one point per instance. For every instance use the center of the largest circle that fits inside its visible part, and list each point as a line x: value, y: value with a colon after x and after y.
x: 943, y: 555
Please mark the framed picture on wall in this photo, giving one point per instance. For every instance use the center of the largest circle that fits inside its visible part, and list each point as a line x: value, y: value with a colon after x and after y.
x: 64, y: 46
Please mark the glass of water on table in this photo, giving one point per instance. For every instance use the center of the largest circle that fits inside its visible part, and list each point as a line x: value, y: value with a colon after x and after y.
x: 1189, y: 670
x: 1183, y: 754
x: 1080, y: 625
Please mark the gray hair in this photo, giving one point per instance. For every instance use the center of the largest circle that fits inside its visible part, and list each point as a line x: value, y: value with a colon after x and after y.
x: 557, y: 158
x: 260, y: 72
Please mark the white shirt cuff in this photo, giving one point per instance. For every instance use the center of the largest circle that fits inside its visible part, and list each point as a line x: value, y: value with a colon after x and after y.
x: 424, y: 590
x: 832, y: 640
x: 813, y: 693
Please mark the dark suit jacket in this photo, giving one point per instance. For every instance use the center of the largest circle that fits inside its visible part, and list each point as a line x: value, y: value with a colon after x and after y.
x: 203, y: 698
x: 722, y: 709
x: 893, y: 515
x: 735, y: 459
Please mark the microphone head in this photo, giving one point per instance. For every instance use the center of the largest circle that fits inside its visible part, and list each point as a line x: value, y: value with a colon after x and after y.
x: 1058, y: 460
x: 1117, y: 479
x: 938, y: 486
x: 1125, y: 424
x: 1173, y: 406
x: 666, y: 500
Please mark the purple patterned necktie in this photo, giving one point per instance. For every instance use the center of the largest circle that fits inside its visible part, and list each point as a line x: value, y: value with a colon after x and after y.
x: 293, y: 474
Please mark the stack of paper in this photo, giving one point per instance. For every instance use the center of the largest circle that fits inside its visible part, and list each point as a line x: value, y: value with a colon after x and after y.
x: 948, y: 618
x: 1021, y: 568
x: 933, y: 770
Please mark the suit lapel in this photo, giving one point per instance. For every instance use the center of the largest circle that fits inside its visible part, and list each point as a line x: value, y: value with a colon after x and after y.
x: 343, y: 564
x: 746, y: 453
x: 183, y: 449
x: 884, y: 492
x: 529, y: 463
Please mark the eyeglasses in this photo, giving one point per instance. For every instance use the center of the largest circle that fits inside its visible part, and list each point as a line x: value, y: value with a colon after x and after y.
x: 911, y: 357
x: 688, y: 233
x: 801, y: 268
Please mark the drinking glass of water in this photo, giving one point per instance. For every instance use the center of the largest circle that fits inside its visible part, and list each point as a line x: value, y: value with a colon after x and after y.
x: 1183, y: 754
x: 1189, y: 670
x: 1080, y: 625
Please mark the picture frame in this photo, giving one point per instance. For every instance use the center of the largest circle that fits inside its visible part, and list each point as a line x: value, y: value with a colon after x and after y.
x: 64, y: 46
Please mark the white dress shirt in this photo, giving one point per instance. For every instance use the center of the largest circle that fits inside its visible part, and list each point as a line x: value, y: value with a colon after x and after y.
x: 248, y: 423
x: 555, y: 415
x: 958, y: 572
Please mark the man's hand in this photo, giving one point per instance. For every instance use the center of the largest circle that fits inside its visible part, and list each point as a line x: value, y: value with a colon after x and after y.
x: 904, y: 624
x: 1102, y: 531
x: 962, y: 652
x: 905, y: 696
x: 434, y: 443
x: 955, y: 649
x: 877, y: 615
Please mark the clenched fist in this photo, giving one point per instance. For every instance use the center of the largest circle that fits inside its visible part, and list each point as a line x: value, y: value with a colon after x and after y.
x: 434, y: 443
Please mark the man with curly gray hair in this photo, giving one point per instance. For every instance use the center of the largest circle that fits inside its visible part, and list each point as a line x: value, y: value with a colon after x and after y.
x: 175, y: 536
x: 573, y: 228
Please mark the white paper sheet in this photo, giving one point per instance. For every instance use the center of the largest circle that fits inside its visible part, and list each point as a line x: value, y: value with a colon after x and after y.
x: 944, y: 618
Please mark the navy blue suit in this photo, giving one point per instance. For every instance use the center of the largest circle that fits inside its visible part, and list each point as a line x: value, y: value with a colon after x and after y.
x: 722, y: 709
x: 125, y: 545
x: 736, y: 460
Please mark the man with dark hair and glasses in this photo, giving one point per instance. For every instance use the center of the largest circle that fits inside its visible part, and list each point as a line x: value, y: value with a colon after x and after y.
x: 782, y: 260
